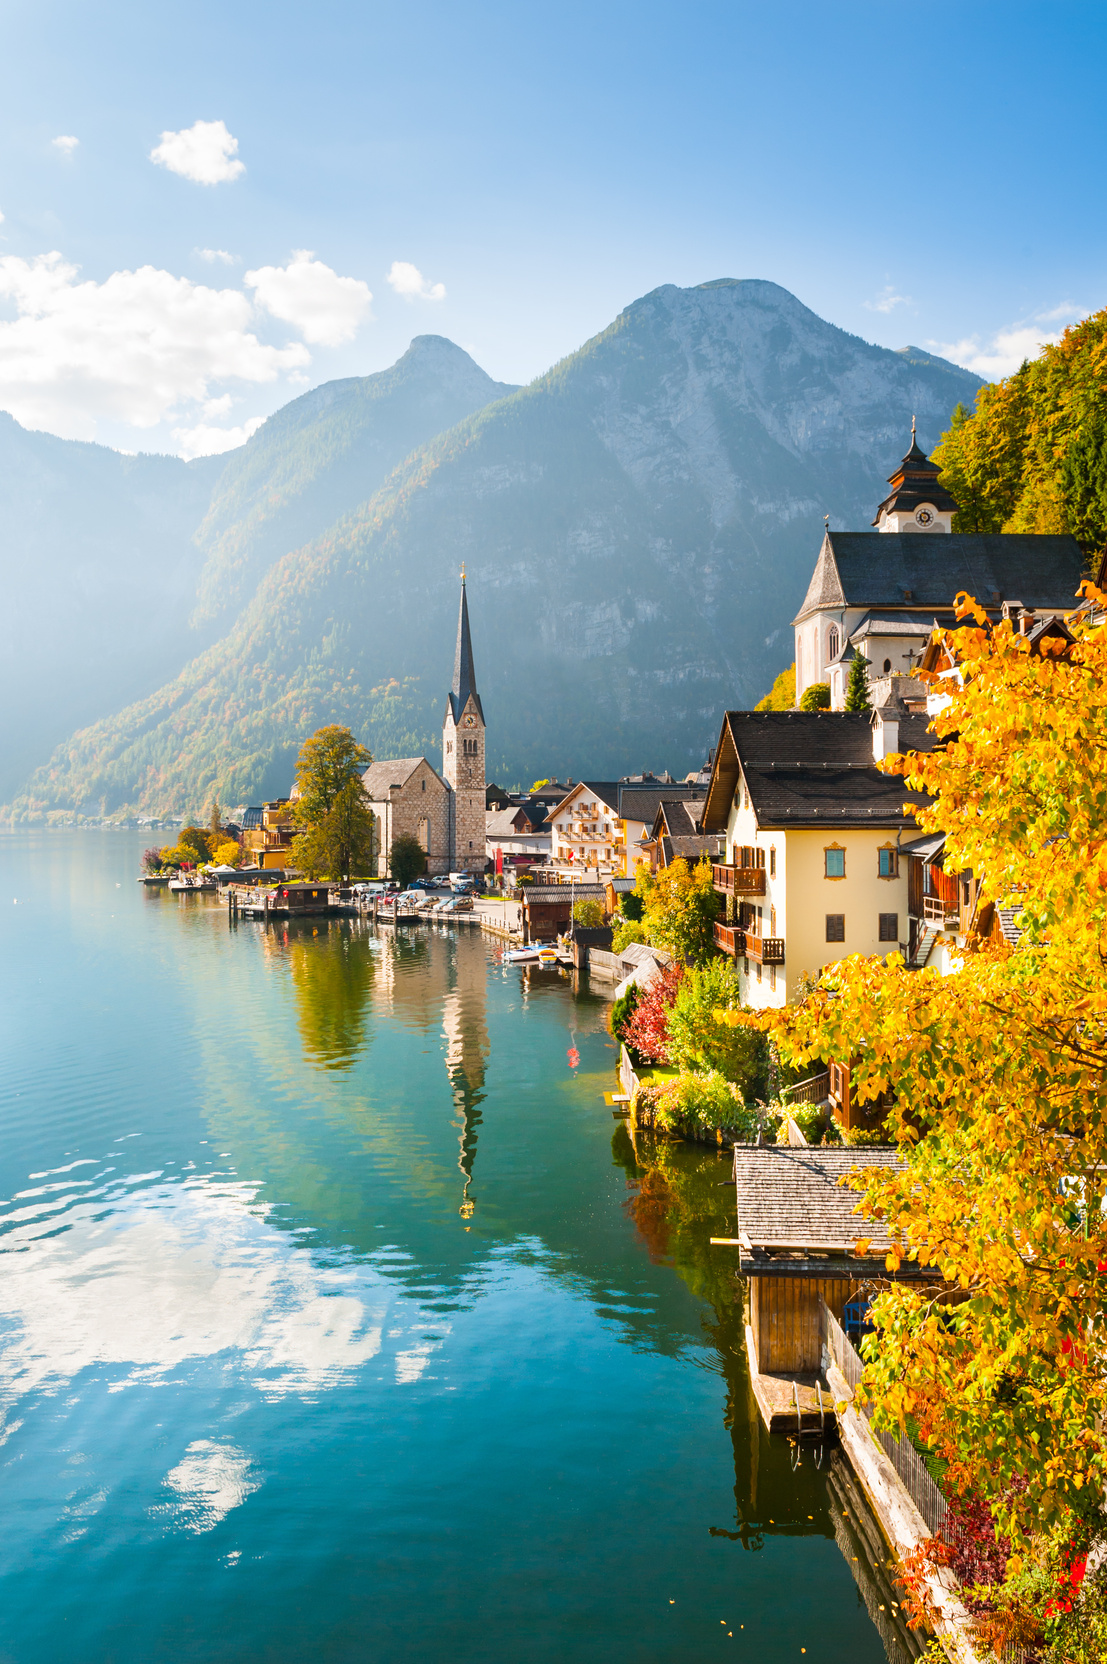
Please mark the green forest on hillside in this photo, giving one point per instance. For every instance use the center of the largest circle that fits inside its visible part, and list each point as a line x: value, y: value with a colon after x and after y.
x: 1032, y: 457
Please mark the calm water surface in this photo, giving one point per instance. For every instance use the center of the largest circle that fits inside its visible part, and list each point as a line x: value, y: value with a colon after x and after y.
x: 339, y: 1321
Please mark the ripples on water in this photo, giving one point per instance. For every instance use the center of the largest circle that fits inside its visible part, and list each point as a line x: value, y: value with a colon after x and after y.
x: 339, y: 1321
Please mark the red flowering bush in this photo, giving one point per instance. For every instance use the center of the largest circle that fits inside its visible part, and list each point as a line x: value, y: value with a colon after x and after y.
x: 647, y: 1027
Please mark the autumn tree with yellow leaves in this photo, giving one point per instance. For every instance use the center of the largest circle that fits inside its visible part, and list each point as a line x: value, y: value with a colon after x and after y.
x: 1000, y: 1079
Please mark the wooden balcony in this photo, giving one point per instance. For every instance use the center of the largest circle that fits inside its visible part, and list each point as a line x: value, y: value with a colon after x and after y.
x: 725, y: 935
x: 763, y: 950
x: 739, y: 881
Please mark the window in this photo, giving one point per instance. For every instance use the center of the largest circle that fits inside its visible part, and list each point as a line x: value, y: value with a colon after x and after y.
x: 835, y: 863
x: 889, y: 927
x: 772, y: 978
x: 423, y: 783
x: 832, y: 642
x: 759, y: 970
x: 887, y: 862
x: 887, y: 666
x: 424, y: 835
x: 772, y: 860
x: 836, y: 927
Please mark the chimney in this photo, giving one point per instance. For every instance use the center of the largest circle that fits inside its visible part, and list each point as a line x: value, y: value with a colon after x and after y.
x: 885, y: 721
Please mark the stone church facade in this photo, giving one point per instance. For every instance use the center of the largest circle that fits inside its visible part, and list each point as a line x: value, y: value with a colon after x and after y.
x: 444, y: 812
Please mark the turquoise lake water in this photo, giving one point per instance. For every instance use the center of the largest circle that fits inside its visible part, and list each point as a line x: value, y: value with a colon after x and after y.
x: 340, y: 1321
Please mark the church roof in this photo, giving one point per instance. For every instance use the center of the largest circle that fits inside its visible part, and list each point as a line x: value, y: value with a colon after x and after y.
x: 379, y: 777
x: 465, y: 676
x: 920, y: 570
x: 915, y: 481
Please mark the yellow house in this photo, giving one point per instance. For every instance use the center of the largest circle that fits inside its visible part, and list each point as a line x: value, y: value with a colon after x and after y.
x: 813, y: 869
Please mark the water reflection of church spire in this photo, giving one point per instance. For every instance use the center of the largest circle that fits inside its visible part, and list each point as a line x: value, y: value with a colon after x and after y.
x: 465, y: 1027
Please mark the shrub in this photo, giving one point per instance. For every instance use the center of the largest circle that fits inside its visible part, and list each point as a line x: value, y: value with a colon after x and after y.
x: 589, y: 913
x: 702, y: 1100
x: 697, y: 1041
x: 815, y: 1122
x: 407, y: 859
x: 858, y: 1137
x: 629, y: 930
x: 631, y: 906
x: 647, y: 1027
x: 816, y: 697
x: 151, y: 859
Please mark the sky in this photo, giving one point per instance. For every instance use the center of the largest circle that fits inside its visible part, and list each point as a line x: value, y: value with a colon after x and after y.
x: 209, y: 208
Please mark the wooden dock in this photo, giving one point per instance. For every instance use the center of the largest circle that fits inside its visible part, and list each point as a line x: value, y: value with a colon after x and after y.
x: 796, y: 1404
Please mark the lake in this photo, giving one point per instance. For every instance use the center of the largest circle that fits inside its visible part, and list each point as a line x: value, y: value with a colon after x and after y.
x: 339, y: 1319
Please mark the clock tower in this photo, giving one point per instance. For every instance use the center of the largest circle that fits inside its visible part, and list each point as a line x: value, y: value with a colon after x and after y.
x: 463, y: 754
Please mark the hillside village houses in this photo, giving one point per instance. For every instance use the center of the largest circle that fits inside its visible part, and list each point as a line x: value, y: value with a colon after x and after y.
x: 821, y: 858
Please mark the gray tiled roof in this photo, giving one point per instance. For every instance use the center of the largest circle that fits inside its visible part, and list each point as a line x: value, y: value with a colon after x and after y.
x: 393, y: 771
x: 794, y: 795
x: 789, y: 1198
x: 641, y: 802
x: 924, y: 570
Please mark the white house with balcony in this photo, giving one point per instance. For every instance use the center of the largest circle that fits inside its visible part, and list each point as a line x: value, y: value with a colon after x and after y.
x: 813, y: 869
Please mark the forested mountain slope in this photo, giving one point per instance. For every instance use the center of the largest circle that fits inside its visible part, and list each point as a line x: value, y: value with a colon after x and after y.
x: 639, y: 526
x: 322, y: 455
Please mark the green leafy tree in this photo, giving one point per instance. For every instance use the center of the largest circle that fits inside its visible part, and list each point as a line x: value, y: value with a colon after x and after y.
x: 408, y: 859
x: 1032, y: 456
x: 588, y: 913
x: 627, y: 931
x: 631, y: 906
x: 332, y: 806
x: 329, y: 761
x: 698, y: 1041
x: 782, y: 695
x: 679, y: 909
x: 857, y: 688
x: 816, y: 697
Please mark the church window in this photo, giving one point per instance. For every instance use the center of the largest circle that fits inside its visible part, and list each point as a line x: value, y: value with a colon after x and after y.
x: 424, y: 835
x: 887, y: 666
x: 832, y: 642
x: 423, y: 783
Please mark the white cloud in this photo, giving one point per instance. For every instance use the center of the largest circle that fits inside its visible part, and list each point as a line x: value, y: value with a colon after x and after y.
x: 204, y: 152
x: 211, y: 255
x: 132, y: 349
x: 888, y: 300
x: 1002, y: 355
x: 409, y: 282
x: 205, y: 440
x: 325, y: 308
x: 66, y: 143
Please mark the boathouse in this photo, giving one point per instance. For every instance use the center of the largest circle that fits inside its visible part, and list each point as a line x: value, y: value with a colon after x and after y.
x: 798, y: 1231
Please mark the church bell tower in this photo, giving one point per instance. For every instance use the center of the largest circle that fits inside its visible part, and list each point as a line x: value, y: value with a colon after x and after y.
x: 463, y: 754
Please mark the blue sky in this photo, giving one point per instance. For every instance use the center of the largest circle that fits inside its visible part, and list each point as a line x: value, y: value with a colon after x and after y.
x: 930, y: 174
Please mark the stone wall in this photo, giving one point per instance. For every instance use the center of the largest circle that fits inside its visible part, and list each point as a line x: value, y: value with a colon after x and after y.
x: 420, y: 808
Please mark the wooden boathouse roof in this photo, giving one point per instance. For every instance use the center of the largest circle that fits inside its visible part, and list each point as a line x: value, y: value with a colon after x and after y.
x: 792, y: 1206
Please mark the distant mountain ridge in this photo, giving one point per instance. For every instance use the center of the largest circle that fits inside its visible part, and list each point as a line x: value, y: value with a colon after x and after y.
x: 639, y: 526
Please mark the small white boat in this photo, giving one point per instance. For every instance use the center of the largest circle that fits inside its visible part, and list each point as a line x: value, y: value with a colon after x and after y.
x: 520, y: 956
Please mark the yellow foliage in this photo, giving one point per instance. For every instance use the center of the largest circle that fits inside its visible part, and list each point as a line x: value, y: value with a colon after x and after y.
x: 1000, y: 1075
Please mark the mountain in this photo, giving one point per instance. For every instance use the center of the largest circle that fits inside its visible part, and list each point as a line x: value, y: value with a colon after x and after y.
x: 98, y: 572
x: 118, y: 570
x: 639, y: 526
x: 322, y: 455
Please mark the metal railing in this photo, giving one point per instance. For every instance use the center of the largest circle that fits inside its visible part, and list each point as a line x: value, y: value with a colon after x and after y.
x: 902, y: 1454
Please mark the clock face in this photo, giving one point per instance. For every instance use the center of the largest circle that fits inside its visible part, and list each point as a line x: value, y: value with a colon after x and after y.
x: 924, y: 517
x: 470, y: 721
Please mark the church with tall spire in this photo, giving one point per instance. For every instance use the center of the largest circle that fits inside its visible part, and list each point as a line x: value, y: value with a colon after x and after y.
x: 443, y: 812
x: 463, y: 751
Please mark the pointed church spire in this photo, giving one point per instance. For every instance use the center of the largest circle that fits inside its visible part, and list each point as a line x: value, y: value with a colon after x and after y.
x: 465, y: 677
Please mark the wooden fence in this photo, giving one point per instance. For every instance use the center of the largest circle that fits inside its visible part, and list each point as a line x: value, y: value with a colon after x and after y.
x: 902, y: 1454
